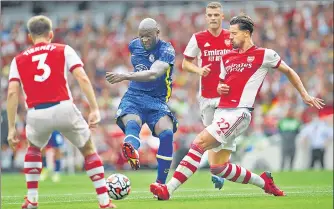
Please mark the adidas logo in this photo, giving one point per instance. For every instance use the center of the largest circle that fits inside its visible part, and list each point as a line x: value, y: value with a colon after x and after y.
x: 207, y: 44
x: 96, y: 177
x: 35, y: 170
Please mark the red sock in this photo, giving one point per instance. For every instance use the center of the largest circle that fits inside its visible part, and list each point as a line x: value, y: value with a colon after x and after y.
x: 95, y: 170
x: 32, y: 171
x: 236, y: 173
x: 187, y: 167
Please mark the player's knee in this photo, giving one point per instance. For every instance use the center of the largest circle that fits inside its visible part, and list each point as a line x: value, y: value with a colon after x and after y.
x: 206, y: 141
x: 88, y: 148
x: 131, y: 118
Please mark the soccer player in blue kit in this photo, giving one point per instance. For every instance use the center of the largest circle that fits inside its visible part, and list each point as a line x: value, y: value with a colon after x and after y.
x: 147, y: 96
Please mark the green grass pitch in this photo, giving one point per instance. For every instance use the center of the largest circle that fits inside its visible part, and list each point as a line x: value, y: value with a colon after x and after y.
x: 305, y: 190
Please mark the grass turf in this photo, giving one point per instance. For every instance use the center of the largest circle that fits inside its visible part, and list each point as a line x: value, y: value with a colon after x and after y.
x: 305, y: 190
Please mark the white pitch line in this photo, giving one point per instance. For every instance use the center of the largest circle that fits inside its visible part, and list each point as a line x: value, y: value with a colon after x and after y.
x: 181, y: 190
x: 178, y: 196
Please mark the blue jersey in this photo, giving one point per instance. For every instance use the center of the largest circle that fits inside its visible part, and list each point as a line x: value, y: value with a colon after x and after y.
x: 142, y: 59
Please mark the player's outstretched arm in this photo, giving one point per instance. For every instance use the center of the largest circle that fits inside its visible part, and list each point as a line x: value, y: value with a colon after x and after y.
x: 12, y: 104
x: 86, y: 86
x: 297, y: 83
x: 187, y: 65
x: 157, y: 69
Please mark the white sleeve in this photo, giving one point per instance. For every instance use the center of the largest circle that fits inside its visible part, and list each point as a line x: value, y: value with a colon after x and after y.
x: 222, y: 70
x: 13, y: 72
x: 72, y: 59
x: 192, y: 49
x: 271, y: 59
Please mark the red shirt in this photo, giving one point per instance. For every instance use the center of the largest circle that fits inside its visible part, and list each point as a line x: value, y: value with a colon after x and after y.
x: 42, y: 70
x: 209, y: 49
x: 245, y: 73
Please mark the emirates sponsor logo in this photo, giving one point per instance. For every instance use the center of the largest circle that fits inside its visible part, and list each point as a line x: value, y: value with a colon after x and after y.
x: 216, y: 54
x: 238, y: 67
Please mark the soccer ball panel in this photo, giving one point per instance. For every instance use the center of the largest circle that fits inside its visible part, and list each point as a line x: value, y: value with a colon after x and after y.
x: 119, y: 186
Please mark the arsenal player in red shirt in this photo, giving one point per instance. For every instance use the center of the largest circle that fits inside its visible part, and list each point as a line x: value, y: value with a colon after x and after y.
x: 42, y: 72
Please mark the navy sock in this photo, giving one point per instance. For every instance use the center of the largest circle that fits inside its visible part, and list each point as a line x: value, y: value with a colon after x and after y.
x: 44, y: 162
x: 132, y: 130
x: 57, y: 165
x: 164, y: 155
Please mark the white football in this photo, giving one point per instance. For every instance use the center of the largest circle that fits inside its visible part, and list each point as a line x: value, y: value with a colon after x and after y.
x: 119, y: 186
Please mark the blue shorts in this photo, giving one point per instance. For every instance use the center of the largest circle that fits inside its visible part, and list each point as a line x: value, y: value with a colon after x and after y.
x: 56, y: 140
x: 149, y: 109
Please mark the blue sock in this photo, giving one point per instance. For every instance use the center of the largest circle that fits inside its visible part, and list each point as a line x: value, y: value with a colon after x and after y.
x: 164, y: 155
x: 132, y: 130
x: 57, y: 166
x: 44, y: 162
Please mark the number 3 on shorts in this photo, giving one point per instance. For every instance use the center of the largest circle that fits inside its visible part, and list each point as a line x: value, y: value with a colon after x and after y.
x: 41, y: 58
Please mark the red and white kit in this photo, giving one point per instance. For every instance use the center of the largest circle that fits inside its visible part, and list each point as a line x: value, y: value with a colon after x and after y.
x: 209, y: 50
x: 244, y: 73
x: 42, y: 71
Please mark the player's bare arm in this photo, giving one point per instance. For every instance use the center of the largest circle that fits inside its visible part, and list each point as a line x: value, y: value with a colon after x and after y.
x: 86, y: 86
x: 157, y: 69
x: 191, y: 67
x: 12, y: 104
x: 297, y: 83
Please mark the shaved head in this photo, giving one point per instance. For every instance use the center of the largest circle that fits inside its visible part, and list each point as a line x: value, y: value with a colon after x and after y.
x: 148, y: 32
x: 148, y: 24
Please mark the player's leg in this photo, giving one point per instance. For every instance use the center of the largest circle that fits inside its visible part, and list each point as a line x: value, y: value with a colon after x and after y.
x: 58, y: 142
x: 230, y: 125
x: 164, y: 130
x: 208, y: 108
x: 130, y: 119
x: 187, y: 167
x: 37, y: 139
x: 95, y: 171
x: 76, y: 130
x: 45, y: 170
x: 132, y: 126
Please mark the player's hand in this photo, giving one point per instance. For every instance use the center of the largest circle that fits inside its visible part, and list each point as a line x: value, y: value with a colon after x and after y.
x: 115, y: 77
x: 205, y: 70
x: 94, y: 118
x: 313, y: 101
x: 223, y: 89
x: 12, y: 139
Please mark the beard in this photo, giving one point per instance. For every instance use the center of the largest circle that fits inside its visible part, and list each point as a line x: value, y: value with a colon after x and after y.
x: 234, y: 45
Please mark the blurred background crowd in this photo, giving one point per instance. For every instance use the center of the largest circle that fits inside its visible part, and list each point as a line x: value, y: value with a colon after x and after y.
x: 301, y: 32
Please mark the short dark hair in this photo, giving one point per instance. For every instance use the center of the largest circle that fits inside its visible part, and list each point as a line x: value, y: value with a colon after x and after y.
x: 39, y: 25
x: 244, y: 22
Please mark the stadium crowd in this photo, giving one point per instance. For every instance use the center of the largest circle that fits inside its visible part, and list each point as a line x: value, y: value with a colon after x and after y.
x: 302, y: 36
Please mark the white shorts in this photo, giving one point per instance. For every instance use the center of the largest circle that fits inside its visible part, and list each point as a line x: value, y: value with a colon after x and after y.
x: 227, y: 125
x: 208, y: 107
x: 64, y: 117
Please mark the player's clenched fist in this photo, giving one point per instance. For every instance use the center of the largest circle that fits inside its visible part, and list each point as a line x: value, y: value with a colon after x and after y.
x: 223, y: 89
x: 115, y: 77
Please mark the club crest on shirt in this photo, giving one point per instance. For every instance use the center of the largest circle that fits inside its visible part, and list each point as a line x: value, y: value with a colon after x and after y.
x: 250, y: 58
x: 227, y: 42
x: 151, y: 58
